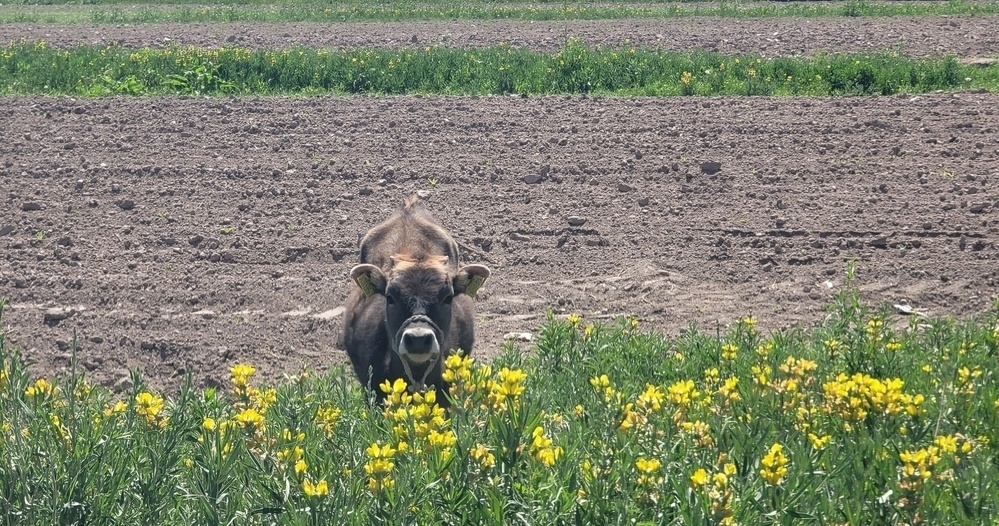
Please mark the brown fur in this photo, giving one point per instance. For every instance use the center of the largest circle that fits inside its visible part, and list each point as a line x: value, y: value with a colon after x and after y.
x: 412, y: 259
x: 411, y: 233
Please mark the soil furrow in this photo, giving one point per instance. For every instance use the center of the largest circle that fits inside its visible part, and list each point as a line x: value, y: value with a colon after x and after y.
x: 963, y: 36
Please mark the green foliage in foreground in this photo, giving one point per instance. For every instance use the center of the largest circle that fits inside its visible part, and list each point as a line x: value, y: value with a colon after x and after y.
x: 853, y: 422
x: 362, y: 11
x: 34, y: 68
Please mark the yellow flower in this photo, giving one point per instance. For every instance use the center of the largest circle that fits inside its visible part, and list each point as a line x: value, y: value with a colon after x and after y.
x: 457, y: 367
x: 875, y: 329
x: 774, y: 465
x: 630, y: 418
x: 946, y: 443
x: 700, y: 431
x: 600, y: 382
x: 396, y: 387
x: 730, y: 389
x: 376, y: 485
x: 380, y: 459
x: 319, y: 489
x: 510, y: 385
x: 574, y: 319
x: 832, y: 347
x: 651, y: 399
x: 241, y: 374
x: 648, y: 469
x: 819, y: 442
x: 442, y: 440
x: 301, y: 466
x: 549, y: 456
x: 699, y: 478
x: 761, y: 374
x: 118, y: 408
x: 426, y: 399
x: 542, y: 448
x: 208, y: 424
x: 327, y: 418
x: 292, y: 455
x: 798, y: 367
x: 917, y: 466
x: 682, y: 393
x: 250, y: 419
x: 730, y: 351
x: 647, y: 465
x: 262, y: 400
x: 41, y: 387
x: 397, y: 393
x: 379, y: 467
x: 61, y: 429
x: 481, y: 454
x: 149, y: 406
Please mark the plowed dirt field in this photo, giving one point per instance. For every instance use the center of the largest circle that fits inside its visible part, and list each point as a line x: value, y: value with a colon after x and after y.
x: 180, y: 235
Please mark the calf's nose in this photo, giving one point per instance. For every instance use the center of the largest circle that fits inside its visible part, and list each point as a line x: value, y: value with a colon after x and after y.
x: 418, y: 341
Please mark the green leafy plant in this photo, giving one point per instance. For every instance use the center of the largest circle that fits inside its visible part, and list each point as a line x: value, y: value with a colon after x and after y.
x: 201, y: 78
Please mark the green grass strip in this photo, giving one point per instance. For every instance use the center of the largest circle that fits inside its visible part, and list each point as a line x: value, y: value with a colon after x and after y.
x: 358, y: 11
x: 34, y: 68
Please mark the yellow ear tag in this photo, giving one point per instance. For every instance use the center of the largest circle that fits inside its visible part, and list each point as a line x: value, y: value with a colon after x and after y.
x: 474, y: 284
x: 364, y: 281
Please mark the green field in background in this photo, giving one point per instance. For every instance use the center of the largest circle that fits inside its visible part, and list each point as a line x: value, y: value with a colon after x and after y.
x: 121, y: 12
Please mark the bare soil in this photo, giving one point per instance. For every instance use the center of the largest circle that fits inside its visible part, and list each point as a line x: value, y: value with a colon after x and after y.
x: 964, y: 36
x: 176, y: 235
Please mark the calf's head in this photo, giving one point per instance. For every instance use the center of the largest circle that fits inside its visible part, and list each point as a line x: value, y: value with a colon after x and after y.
x: 418, y: 294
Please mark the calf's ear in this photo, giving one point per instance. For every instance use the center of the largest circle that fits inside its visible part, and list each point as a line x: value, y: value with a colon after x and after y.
x: 470, y: 278
x: 369, y: 278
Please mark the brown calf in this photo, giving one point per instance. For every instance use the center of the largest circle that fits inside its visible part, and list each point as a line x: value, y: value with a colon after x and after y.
x: 412, y: 304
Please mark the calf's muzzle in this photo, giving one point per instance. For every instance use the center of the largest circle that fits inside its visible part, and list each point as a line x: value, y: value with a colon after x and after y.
x: 419, y: 338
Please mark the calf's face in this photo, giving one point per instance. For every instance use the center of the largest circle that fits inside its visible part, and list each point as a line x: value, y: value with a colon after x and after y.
x: 418, y: 299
